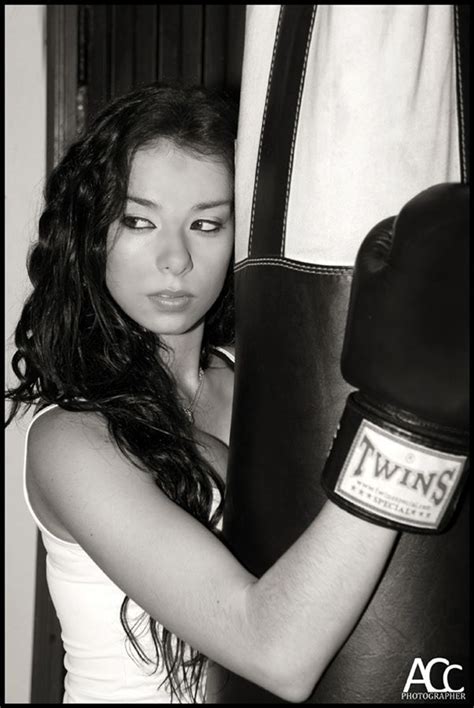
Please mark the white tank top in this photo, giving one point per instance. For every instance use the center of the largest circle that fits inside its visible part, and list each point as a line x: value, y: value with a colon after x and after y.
x: 99, y: 668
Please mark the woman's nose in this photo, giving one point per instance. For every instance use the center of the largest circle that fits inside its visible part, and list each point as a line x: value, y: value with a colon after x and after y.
x: 173, y: 253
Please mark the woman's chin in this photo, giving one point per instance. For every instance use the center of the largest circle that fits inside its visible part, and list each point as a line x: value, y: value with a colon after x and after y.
x: 176, y: 328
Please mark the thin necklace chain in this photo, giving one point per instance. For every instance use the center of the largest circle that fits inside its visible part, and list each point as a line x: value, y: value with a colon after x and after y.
x: 189, y: 410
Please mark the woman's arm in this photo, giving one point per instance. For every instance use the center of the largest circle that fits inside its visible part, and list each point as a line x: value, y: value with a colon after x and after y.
x: 279, y: 631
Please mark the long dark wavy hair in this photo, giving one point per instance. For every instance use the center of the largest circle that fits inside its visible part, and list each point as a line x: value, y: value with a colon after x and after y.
x: 76, y: 347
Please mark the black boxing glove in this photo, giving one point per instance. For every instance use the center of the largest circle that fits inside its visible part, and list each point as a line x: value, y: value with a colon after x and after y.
x: 399, y: 456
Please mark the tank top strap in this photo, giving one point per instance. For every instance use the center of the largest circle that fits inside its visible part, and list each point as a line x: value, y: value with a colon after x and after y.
x: 229, y: 356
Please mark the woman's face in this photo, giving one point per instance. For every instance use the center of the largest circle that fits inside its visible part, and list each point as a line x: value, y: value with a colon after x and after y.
x: 168, y: 254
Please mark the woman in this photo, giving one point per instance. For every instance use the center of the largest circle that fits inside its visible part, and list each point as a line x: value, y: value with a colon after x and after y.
x: 118, y: 344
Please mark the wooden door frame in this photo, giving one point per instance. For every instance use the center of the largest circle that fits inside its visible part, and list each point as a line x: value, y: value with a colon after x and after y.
x: 63, y: 116
x: 62, y: 79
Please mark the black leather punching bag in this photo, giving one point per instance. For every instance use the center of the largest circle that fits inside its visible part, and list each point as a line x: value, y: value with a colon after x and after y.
x: 346, y: 113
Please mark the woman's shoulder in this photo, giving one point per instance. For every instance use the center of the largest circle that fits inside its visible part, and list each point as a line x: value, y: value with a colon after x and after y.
x: 72, y: 463
x: 214, y: 414
x: 58, y: 442
x: 221, y: 368
x: 56, y: 426
x: 64, y: 445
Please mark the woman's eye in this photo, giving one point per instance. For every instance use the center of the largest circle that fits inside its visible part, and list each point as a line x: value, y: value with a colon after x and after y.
x: 137, y: 223
x: 206, y: 226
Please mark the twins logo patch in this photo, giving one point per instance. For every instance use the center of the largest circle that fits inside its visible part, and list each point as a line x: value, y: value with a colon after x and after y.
x: 399, y: 479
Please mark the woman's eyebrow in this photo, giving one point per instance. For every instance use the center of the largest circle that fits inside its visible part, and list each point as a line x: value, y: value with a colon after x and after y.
x: 197, y: 207
x: 142, y: 201
x: 210, y: 205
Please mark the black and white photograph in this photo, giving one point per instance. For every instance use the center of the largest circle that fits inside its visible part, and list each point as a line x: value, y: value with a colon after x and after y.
x: 237, y: 354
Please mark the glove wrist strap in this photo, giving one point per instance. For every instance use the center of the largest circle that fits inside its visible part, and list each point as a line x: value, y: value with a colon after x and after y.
x: 390, y: 475
x: 407, y: 425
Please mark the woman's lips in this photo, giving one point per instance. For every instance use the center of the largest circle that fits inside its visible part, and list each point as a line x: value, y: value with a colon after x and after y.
x: 171, y: 300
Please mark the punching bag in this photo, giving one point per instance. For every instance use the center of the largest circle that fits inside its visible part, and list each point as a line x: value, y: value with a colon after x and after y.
x: 347, y: 112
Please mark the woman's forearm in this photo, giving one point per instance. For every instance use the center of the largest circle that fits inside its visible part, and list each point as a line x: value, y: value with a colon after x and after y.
x: 306, y: 605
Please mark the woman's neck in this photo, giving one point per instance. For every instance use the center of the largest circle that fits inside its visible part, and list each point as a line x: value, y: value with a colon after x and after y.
x: 183, y: 358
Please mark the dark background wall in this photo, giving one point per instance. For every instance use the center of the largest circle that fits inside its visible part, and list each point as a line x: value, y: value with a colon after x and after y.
x: 122, y: 46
